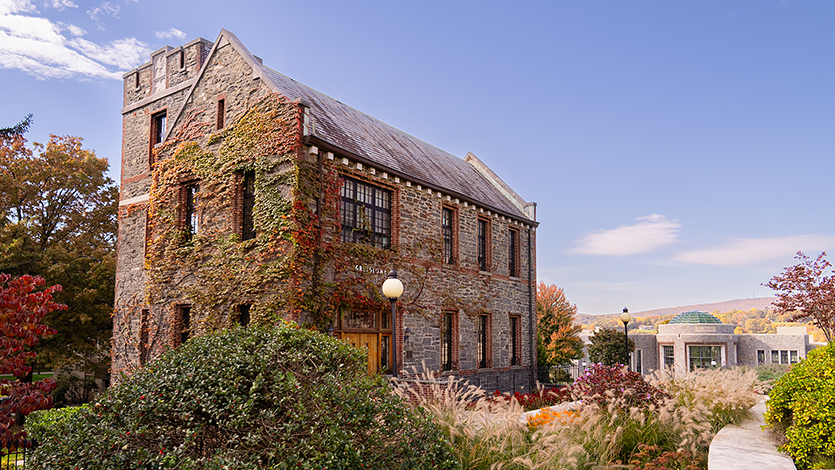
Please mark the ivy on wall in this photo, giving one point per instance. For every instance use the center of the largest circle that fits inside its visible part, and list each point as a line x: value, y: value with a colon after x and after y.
x: 296, y: 267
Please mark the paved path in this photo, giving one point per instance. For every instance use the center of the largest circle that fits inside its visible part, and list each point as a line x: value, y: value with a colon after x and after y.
x: 747, y: 446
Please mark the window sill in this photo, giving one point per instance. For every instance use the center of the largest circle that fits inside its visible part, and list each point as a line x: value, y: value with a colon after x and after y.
x: 514, y: 278
x: 485, y: 273
x: 484, y: 370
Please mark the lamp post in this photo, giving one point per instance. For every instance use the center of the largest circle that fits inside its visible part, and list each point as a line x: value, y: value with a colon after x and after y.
x: 393, y: 289
x: 625, y: 318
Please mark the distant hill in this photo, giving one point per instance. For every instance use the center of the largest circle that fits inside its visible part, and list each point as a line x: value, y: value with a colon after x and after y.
x: 761, y: 303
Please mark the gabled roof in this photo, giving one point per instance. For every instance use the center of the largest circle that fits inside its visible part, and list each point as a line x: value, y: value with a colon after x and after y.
x: 385, y: 146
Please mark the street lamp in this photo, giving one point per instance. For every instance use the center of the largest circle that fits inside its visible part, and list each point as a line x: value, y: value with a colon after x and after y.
x: 393, y: 289
x: 625, y: 318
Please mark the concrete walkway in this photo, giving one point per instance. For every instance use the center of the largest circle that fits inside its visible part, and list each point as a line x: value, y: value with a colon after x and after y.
x: 747, y: 446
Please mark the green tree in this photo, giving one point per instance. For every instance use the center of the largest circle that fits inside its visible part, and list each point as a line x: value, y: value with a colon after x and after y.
x: 58, y: 220
x: 558, y: 337
x: 18, y: 129
x: 608, y: 347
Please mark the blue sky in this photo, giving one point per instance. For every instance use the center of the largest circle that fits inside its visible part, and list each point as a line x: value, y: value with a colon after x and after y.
x: 679, y: 152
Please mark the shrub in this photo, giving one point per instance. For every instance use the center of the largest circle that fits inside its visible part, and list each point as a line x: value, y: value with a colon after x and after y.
x: 536, y: 400
x: 802, y: 405
x: 603, y: 384
x: 254, y: 398
x: 46, y: 425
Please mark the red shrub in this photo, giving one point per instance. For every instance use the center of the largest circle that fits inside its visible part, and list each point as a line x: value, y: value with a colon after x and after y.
x: 602, y: 384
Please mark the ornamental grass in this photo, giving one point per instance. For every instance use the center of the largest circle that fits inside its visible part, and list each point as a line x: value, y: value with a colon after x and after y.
x: 670, y: 428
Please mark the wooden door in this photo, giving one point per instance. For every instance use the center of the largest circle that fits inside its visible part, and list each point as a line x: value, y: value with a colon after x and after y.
x: 369, y: 341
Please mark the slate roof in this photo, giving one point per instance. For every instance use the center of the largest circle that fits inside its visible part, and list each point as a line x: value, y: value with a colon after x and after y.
x: 386, y: 146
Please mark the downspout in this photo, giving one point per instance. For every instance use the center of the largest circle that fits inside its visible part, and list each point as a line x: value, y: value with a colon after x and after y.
x: 531, y: 311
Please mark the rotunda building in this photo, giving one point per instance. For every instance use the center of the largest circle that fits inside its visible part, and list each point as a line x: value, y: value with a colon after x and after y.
x: 696, y: 340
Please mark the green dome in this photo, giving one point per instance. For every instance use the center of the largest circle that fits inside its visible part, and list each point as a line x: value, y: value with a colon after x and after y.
x: 694, y: 317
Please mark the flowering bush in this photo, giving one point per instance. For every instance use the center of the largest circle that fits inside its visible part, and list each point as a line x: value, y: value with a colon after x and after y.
x: 651, y: 457
x: 548, y: 416
x: 604, y: 384
x: 536, y: 400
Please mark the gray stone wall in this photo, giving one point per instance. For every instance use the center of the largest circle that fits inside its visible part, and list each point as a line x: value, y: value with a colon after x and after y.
x: 416, y: 217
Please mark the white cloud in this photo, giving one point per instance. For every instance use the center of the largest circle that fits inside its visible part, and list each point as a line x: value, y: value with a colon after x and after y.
x: 8, y: 7
x: 38, y: 47
x: 61, y: 4
x: 650, y: 233
x: 123, y: 53
x: 73, y: 29
x: 746, y: 251
x: 106, y: 8
x: 171, y: 33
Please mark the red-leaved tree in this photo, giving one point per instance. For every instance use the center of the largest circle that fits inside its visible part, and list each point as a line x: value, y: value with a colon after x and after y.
x: 23, y: 304
x: 806, y: 290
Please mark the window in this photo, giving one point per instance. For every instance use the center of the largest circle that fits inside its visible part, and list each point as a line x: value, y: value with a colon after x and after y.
x: 158, y: 128
x: 483, y: 244
x: 483, y: 341
x: 243, y: 315
x: 705, y: 357
x: 446, y: 342
x: 637, y: 364
x: 513, y: 253
x: 784, y: 357
x: 366, y: 214
x: 221, y: 113
x: 448, y: 232
x: 191, y: 212
x: 182, y: 58
x: 184, y: 312
x: 136, y: 79
x: 247, y: 206
x: 359, y: 320
x: 760, y: 357
x: 143, y: 335
x: 157, y: 133
x: 514, y: 341
x: 669, y: 356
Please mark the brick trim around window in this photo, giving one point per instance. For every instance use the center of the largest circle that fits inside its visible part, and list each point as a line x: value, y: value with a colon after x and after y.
x: 157, y: 129
x: 449, y: 234
x: 484, y: 244
x: 484, y: 341
x: 514, y: 329
x: 449, y: 340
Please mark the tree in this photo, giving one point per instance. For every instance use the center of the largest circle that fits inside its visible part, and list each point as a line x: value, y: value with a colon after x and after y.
x: 806, y: 290
x: 558, y: 339
x: 58, y: 220
x: 18, y: 129
x: 607, y: 347
x: 22, y: 308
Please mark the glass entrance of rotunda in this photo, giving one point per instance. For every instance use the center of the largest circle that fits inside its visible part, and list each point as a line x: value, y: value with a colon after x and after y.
x: 705, y: 357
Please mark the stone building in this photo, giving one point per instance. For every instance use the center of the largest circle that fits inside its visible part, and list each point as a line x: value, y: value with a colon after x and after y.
x: 698, y: 340
x: 248, y: 197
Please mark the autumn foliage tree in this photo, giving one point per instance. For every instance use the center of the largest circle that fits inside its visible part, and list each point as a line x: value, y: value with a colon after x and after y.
x: 58, y: 220
x: 23, y: 305
x: 558, y: 340
x: 807, y: 290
